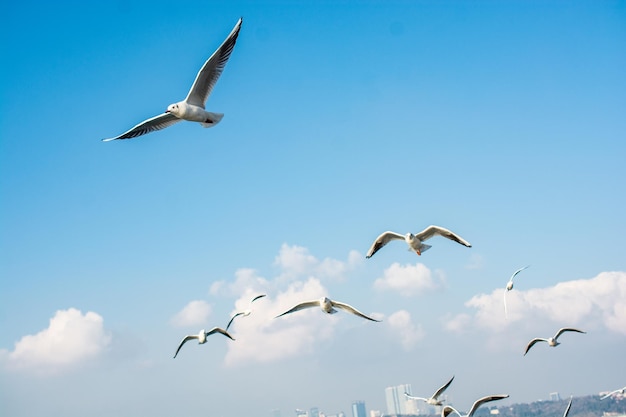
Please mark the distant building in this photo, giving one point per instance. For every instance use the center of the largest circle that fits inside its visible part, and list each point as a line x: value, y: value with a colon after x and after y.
x: 358, y: 409
x: 397, y: 403
x: 314, y: 412
x: 554, y: 396
x: 375, y: 413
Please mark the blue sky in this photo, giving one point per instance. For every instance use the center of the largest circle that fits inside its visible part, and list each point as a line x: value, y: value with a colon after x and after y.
x: 502, y: 121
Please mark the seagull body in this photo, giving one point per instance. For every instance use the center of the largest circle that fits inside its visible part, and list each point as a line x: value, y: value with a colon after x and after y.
x: 433, y: 400
x: 552, y: 341
x: 449, y: 409
x: 244, y: 313
x: 192, y: 107
x: 617, y: 391
x: 202, y: 337
x: 509, y: 287
x: 328, y: 306
x: 415, y: 241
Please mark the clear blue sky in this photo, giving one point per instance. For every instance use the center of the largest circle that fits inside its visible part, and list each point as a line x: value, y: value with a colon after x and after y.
x: 502, y: 121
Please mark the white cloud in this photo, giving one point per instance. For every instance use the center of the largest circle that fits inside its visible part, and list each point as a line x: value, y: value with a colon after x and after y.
x: 595, y: 302
x: 195, y: 313
x: 402, y: 324
x: 296, y: 262
x: 408, y: 280
x: 70, y: 338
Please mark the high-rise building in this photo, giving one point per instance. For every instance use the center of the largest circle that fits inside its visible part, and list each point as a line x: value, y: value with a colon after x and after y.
x: 358, y: 409
x: 397, y: 403
x: 314, y: 412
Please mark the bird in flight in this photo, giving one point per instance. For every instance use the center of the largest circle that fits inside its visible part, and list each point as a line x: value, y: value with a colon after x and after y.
x: 552, y: 341
x: 415, y: 241
x: 192, y: 107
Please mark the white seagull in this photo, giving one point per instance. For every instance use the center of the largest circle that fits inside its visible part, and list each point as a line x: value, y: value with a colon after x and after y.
x: 202, y: 337
x: 415, y: 240
x: 192, y: 107
x: 244, y: 313
x: 433, y: 400
x: 449, y: 409
x: 552, y: 341
x: 327, y: 305
x: 509, y: 287
x: 569, y: 405
x: 617, y: 391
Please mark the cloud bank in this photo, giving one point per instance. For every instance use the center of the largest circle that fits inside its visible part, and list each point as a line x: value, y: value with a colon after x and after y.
x: 195, y: 313
x: 595, y: 302
x: 408, y: 280
x: 69, y: 339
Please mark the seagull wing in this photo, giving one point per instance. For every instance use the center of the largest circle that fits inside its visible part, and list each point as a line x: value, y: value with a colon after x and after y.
x: 185, y: 339
x: 449, y: 409
x: 257, y: 297
x: 442, y: 389
x: 483, y: 400
x: 212, y: 69
x: 301, y: 306
x: 568, y: 407
x: 233, y: 318
x: 431, y: 231
x: 506, y: 314
x: 517, y: 272
x: 381, y: 241
x: 351, y: 309
x: 410, y: 397
x: 532, y: 342
x: 219, y: 330
x: 155, y: 123
x: 566, y: 329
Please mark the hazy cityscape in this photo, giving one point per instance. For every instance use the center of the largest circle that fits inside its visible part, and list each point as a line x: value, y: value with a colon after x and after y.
x: 397, y: 405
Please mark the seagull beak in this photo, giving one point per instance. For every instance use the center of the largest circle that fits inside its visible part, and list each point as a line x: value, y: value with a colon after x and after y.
x: 419, y: 252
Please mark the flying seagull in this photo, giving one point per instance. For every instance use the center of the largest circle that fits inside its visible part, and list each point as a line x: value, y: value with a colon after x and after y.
x: 509, y: 287
x: 553, y: 340
x: 617, y: 391
x: 449, y: 409
x: 244, y: 312
x: 415, y: 240
x: 328, y: 306
x: 202, y: 337
x: 192, y: 107
x: 569, y: 405
x: 433, y: 400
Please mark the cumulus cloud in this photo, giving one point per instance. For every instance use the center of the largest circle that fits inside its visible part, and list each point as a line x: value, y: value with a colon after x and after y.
x: 408, y: 333
x: 195, y: 313
x: 408, y: 279
x: 596, y: 302
x: 296, y: 261
x: 70, y: 338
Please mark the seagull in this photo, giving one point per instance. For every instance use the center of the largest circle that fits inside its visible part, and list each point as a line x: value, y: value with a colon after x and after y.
x: 433, y: 399
x: 327, y: 307
x: 192, y: 107
x: 244, y: 312
x: 449, y: 409
x: 617, y: 391
x: 202, y: 337
x: 553, y: 340
x: 568, y: 407
x: 415, y: 240
x: 509, y: 286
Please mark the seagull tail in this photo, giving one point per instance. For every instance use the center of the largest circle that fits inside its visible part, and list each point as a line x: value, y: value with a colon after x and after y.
x: 212, y: 119
x: 425, y: 248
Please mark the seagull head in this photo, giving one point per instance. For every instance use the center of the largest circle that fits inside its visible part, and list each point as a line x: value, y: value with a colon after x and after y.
x: 173, y: 108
